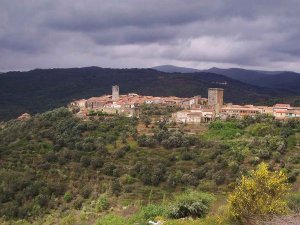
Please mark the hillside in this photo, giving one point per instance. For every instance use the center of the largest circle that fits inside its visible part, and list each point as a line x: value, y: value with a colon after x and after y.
x: 57, y: 164
x: 247, y: 76
x: 43, y: 89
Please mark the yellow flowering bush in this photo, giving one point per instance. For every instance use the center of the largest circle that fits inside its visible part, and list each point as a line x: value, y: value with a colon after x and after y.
x: 261, y: 193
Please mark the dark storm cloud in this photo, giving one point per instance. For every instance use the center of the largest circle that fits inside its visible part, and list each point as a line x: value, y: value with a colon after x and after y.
x: 63, y: 33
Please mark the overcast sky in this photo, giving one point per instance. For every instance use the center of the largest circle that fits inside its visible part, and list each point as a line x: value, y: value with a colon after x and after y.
x: 258, y: 34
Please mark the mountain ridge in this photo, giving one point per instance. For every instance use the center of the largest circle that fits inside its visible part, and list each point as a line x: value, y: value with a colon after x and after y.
x: 284, y: 80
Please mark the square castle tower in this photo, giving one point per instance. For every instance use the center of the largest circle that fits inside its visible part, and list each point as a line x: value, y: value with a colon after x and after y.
x: 215, y: 99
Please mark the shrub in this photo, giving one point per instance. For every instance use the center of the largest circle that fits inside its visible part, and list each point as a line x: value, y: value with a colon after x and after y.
x: 78, y: 203
x: 116, y: 187
x: 85, y: 192
x: 68, y: 196
x: 277, y: 157
x: 291, y: 141
x: 254, y: 160
x: 42, y: 200
x: 191, y: 204
x: 127, y: 179
x: 120, y: 153
x: 200, y: 162
x: 109, y: 168
x: 10, y: 210
x: 264, y: 154
x: 102, y: 203
x: 261, y: 193
x: 146, y: 141
x: 85, y: 161
x: 96, y: 163
x: 189, y: 179
x: 234, y: 167
x: 128, y: 188
x: 295, y: 158
x: 294, y: 201
x: 146, y: 120
x: 292, y: 175
x: 187, y: 156
x: 199, y: 173
x: 51, y: 157
x: 174, y: 179
x: 219, y: 177
x: 261, y: 129
x: 62, y: 160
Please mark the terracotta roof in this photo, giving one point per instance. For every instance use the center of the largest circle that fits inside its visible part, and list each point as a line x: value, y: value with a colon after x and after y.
x: 207, y: 110
x: 282, y: 105
x: 294, y: 111
x: 195, y: 114
x: 280, y: 110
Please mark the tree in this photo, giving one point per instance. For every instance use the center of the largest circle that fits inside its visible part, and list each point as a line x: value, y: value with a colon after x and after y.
x: 146, y: 120
x: 116, y: 187
x: 146, y: 141
x: 261, y: 193
x: 191, y: 204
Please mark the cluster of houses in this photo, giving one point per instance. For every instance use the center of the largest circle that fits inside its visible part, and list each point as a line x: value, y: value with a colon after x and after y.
x: 129, y: 104
x: 194, y: 110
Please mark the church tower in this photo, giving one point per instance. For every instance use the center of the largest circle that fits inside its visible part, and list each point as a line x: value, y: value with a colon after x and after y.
x: 115, y: 93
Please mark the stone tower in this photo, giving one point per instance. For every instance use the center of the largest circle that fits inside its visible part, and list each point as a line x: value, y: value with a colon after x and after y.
x: 115, y: 93
x: 215, y: 99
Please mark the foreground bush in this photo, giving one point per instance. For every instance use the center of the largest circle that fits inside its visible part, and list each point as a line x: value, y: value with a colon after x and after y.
x: 191, y: 204
x: 261, y: 193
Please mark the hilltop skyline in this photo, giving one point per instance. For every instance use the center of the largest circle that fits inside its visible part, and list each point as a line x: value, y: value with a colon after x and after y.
x: 143, y: 34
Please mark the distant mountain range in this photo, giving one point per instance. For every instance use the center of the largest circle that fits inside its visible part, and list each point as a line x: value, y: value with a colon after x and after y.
x: 285, y: 80
x: 39, y: 90
x: 175, y: 69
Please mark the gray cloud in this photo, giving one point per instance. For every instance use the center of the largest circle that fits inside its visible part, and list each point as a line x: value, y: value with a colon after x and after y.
x: 259, y: 34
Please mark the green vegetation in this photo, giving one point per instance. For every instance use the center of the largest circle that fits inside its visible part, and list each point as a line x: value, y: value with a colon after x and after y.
x: 165, y: 110
x: 59, y: 169
x: 229, y: 130
x: 100, y: 113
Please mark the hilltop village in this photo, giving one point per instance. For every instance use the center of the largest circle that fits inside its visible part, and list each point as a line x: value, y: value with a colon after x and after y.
x: 194, y: 110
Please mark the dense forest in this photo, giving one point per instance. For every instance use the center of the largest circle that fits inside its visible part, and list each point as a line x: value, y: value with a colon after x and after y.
x: 59, y: 169
x: 40, y: 90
